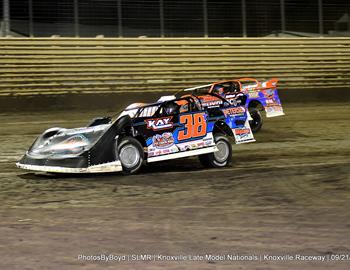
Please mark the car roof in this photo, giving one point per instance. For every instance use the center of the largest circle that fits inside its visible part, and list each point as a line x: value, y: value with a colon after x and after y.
x: 158, y: 103
x: 191, y: 89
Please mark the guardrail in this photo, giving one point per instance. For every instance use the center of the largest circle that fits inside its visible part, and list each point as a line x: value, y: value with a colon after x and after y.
x: 109, y: 65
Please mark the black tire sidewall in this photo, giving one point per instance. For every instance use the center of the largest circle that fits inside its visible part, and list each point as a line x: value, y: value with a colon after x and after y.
x: 256, y: 115
x: 130, y: 140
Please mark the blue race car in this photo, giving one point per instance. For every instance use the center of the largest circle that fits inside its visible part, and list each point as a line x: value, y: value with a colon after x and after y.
x: 260, y: 96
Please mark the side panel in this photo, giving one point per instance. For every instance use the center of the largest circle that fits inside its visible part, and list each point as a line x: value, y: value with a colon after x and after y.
x: 236, y: 117
x: 272, y: 103
x: 268, y: 97
x: 184, y: 132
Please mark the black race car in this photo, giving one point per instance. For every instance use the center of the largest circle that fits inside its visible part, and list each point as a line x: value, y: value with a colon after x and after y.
x: 144, y: 133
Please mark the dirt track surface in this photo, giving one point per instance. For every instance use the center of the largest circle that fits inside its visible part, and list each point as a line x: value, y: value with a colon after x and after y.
x: 288, y: 193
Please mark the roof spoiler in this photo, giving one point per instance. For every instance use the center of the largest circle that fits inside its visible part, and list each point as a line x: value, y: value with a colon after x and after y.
x: 197, y: 87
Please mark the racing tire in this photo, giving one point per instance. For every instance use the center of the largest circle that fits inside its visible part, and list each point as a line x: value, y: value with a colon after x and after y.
x: 130, y: 154
x: 257, y: 122
x: 221, y: 158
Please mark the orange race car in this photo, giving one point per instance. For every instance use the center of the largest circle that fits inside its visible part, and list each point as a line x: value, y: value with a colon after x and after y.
x: 256, y: 97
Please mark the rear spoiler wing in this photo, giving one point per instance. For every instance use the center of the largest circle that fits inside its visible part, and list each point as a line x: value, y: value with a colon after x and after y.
x: 197, y: 87
x: 272, y: 83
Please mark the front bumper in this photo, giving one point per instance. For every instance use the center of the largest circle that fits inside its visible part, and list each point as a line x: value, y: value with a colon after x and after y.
x: 114, y: 166
x: 69, y: 165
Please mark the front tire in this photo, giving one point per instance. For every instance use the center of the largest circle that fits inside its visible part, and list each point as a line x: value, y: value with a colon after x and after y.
x: 257, y: 122
x: 131, y: 155
x: 221, y: 158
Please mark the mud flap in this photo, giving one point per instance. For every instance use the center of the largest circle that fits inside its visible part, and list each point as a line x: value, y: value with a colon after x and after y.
x: 273, y: 105
x: 243, y: 134
x: 274, y: 110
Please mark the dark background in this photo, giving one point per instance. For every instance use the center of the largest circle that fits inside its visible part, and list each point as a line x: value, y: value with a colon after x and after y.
x: 182, y: 18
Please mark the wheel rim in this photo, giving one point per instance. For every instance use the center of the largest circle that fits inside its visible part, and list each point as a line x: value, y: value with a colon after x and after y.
x: 129, y: 156
x: 223, y: 152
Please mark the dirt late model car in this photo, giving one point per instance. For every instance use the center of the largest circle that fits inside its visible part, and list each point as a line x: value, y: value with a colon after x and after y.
x: 260, y: 96
x: 144, y: 133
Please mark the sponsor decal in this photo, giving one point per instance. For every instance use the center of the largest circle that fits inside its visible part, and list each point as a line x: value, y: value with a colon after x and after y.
x: 166, y: 151
x: 233, y: 111
x: 253, y: 93
x: 164, y: 140
x: 157, y: 153
x: 196, y: 145
x: 268, y: 93
x: 271, y: 101
x: 211, y: 104
x: 159, y: 123
x: 249, y: 86
x: 192, y: 146
x: 272, y: 111
x: 161, y: 152
x: 242, y: 132
x: 234, y: 102
x: 208, y: 143
x: 200, y: 144
x: 274, y: 108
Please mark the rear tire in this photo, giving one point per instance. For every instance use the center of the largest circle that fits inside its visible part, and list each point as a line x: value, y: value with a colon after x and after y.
x: 257, y: 122
x: 221, y: 158
x: 131, y: 155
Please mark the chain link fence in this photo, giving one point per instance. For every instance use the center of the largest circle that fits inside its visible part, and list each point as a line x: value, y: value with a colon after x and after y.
x: 175, y: 18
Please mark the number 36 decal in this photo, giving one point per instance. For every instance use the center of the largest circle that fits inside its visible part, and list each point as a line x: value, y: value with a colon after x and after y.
x: 194, y: 126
